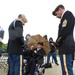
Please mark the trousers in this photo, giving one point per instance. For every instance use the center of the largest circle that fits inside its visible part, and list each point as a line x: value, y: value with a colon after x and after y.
x: 16, y: 64
x: 66, y: 64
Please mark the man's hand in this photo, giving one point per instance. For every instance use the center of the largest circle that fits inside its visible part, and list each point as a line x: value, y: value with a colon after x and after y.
x: 56, y: 44
x: 32, y: 47
x: 35, y: 51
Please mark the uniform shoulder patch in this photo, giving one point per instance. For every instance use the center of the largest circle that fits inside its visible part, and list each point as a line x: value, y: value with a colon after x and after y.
x: 64, y: 23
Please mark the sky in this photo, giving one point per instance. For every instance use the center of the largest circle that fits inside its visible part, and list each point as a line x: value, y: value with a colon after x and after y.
x: 38, y: 13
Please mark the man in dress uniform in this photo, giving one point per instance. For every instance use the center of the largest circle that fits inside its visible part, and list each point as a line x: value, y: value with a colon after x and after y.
x: 65, y: 40
x: 16, y: 44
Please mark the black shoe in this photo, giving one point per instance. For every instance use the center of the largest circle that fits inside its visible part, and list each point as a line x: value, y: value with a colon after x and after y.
x: 26, y: 73
x: 57, y: 64
x: 48, y: 65
x: 29, y: 74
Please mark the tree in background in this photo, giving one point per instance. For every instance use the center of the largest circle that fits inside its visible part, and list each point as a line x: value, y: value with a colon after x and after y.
x: 3, y: 46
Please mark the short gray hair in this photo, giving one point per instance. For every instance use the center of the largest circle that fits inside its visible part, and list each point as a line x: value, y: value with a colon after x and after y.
x: 23, y: 17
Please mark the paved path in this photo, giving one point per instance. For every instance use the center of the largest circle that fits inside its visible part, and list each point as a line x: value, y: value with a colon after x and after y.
x: 55, y: 70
